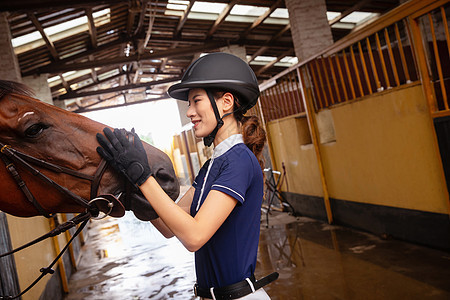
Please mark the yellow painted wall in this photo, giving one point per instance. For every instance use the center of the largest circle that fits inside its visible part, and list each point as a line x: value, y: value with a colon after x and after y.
x: 290, y: 143
x: 30, y: 260
x: 384, y: 153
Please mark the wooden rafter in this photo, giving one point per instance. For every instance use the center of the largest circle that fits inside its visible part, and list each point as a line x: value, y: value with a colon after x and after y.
x: 132, y: 58
x: 93, y: 72
x: 73, y: 59
x: 165, y: 59
x: 148, y: 34
x: 349, y: 11
x: 261, y: 18
x: 46, y: 39
x: 270, y: 41
x: 91, y: 26
x: 64, y: 83
x: 105, y: 80
x: 132, y: 11
x: 183, y: 18
x: 141, y: 17
x: 72, y: 95
x: 225, y: 12
x: 42, y: 5
x: 267, y: 66
x: 87, y: 109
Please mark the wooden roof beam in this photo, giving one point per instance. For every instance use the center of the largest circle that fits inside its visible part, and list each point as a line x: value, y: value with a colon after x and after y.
x: 93, y: 72
x: 257, y: 53
x: 132, y: 11
x: 225, y: 12
x: 99, y: 82
x: 133, y: 58
x: 349, y: 11
x: 73, y: 58
x: 73, y: 95
x: 92, y: 29
x: 183, y: 19
x: 166, y: 59
x: 87, y: 109
x: 64, y: 83
x: 44, y: 5
x: 148, y: 34
x: 141, y: 17
x: 269, y: 65
x: 47, y: 41
x: 270, y: 41
x: 261, y: 18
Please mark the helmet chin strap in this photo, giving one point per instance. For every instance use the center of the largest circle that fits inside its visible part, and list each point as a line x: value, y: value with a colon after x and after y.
x: 208, y: 140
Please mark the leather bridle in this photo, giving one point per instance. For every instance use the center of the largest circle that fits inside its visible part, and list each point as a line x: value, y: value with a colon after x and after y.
x: 10, y: 157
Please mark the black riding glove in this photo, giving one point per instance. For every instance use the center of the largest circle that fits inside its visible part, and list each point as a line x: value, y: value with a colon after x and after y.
x: 127, y: 157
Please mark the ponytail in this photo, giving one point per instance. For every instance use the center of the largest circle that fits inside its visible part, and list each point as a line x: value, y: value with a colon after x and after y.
x: 254, y: 137
x: 253, y: 133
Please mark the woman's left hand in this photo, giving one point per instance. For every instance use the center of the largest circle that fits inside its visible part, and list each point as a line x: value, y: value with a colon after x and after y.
x: 127, y: 157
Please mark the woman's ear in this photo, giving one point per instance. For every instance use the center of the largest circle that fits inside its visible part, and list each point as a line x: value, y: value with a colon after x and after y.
x: 228, y: 101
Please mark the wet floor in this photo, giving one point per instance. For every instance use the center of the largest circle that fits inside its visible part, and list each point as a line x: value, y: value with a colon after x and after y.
x: 128, y: 259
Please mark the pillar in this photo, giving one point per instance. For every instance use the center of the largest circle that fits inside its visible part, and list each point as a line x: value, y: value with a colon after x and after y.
x: 236, y: 50
x: 40, y: 87
x: 310, y: 30
x: 9, y: 64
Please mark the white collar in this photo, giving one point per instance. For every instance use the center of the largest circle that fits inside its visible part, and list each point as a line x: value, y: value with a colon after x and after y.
x: 227, y: 144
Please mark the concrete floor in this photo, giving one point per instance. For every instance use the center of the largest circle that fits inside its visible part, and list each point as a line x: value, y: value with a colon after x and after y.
x: 128, y: 259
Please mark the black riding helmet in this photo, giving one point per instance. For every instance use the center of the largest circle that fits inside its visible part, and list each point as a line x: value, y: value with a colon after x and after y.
x: 219, y: 71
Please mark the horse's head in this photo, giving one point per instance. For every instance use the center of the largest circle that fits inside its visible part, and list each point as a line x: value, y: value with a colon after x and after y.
x: 65, y: 139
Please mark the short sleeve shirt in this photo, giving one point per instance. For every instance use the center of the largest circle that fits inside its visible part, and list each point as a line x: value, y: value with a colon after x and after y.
x: 230, y: 255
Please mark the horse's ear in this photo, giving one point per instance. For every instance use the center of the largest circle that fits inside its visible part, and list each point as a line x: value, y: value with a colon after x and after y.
x: 11, y: 87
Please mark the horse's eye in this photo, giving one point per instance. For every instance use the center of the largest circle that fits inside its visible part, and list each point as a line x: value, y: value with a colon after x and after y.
x: 35, y: 130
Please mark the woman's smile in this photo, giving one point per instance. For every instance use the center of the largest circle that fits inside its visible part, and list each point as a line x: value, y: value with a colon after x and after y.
x: 195, y: 122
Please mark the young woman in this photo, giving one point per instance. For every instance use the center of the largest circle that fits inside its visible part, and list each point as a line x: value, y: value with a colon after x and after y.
x: 219, y: 216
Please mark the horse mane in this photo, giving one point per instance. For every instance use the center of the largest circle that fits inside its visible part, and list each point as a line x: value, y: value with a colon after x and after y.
x: 11, y: 87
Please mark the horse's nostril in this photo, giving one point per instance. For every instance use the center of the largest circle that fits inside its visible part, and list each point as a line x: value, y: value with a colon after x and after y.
x: 168, y: 182
x: 163, y: 176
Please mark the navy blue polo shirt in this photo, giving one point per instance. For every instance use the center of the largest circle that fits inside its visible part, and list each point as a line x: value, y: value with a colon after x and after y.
x: 230, y: 255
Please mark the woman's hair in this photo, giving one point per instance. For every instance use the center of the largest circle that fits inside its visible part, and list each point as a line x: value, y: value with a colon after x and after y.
x: 253, y: 133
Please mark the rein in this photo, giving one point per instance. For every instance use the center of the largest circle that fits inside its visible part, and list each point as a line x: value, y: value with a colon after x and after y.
x: 84, y: 218
x: 10, y: 156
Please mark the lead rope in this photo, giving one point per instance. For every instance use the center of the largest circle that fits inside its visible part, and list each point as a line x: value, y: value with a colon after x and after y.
x: 84, y: 218
x: 58, y: 230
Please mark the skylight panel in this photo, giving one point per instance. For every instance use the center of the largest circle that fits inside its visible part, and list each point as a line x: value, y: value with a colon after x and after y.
x: 176, y: 6
x: 208, y: 7
x: 248, y: 10
x: 357, y: 17
x: 263, y: 59
x: 280, y: 13
x: 25, y: 39
x: 181, y: 2
x: 290, y: 60
x: 78, y: 23
x: 54, y: 78
x: 332, y: 14
x: 74, y: 23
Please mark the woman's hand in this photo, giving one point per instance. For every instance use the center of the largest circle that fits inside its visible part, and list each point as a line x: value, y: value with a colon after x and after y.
x: 126, y: 156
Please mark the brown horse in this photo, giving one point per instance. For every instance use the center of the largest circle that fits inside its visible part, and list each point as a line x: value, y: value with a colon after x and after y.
x: 61, y: 138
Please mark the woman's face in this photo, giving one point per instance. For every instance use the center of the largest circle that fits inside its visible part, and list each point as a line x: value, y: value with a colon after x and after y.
x: 201, y: 112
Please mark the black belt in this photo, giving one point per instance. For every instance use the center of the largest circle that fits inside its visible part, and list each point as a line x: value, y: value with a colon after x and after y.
x: 236, y: 290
